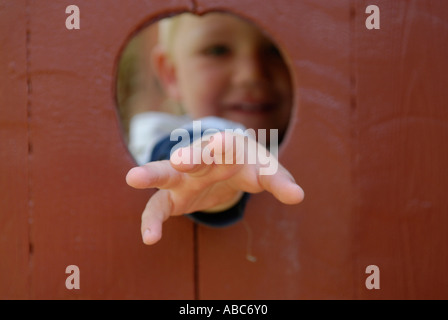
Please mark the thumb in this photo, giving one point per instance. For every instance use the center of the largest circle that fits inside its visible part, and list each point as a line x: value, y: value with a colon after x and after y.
x: 157, y: 210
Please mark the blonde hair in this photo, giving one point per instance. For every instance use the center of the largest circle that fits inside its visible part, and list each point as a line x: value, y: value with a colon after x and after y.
x: 167, y: 30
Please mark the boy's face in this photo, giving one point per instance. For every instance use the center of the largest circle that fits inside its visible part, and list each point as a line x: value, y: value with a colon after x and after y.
x: 223, y: 66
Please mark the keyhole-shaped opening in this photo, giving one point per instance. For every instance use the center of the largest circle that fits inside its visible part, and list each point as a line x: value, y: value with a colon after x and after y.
x: 187, y: 67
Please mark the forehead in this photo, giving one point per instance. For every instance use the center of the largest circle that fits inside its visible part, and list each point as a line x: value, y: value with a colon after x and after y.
x: 214, y: 25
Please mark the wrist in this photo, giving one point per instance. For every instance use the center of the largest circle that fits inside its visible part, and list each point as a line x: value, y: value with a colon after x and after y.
x: 226, y: 205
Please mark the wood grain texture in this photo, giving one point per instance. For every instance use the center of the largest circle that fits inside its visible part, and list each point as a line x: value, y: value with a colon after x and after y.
x: 14, y: 173
x: 367, y: 142
x: 401, y: 129
x: 83, y: 212
x: 303, y: 251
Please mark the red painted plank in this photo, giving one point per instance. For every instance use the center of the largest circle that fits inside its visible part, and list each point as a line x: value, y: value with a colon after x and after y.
x: 401, y: 131
x: 84, y: 212
x: 301, y: 251
x: 14, y: 269
x: 367, y: 143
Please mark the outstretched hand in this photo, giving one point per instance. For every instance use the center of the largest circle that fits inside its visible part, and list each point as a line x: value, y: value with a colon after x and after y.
x: 201, y: 178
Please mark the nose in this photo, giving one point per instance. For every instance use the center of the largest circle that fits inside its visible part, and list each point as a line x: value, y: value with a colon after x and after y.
x: 251, y: 70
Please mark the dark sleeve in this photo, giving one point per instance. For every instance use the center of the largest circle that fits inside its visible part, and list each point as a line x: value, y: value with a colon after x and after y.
x: 224, y: 218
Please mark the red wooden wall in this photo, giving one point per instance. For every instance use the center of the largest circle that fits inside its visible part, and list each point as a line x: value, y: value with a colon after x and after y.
x: 367, y: 143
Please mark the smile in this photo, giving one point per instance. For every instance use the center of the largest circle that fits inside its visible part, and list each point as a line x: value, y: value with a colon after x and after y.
x: 249, y: 107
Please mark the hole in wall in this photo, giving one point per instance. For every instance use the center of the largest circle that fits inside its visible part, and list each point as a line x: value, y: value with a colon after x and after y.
x: 186, y: 67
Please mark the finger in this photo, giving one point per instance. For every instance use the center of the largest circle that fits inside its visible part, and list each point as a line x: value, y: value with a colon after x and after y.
x: 157, y: 210
x: 191, y: 160
x: 283, y: 186
x: 228, y: 147
x: 156, y: 174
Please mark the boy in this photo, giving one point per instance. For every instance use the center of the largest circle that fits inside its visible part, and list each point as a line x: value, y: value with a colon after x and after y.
x: 217, y: 67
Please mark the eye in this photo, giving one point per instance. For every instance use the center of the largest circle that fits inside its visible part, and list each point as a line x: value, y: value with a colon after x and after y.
x: 273, y: 51
x: 217, y: 50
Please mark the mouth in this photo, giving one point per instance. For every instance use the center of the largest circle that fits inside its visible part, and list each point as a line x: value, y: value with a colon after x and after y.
x: 251, y: 107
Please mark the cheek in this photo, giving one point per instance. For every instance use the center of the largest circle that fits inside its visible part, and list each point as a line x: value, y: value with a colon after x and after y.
x: 203, y: 90
x: 284, y: 90
x: 212, y: 77
x: 283, y: 83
